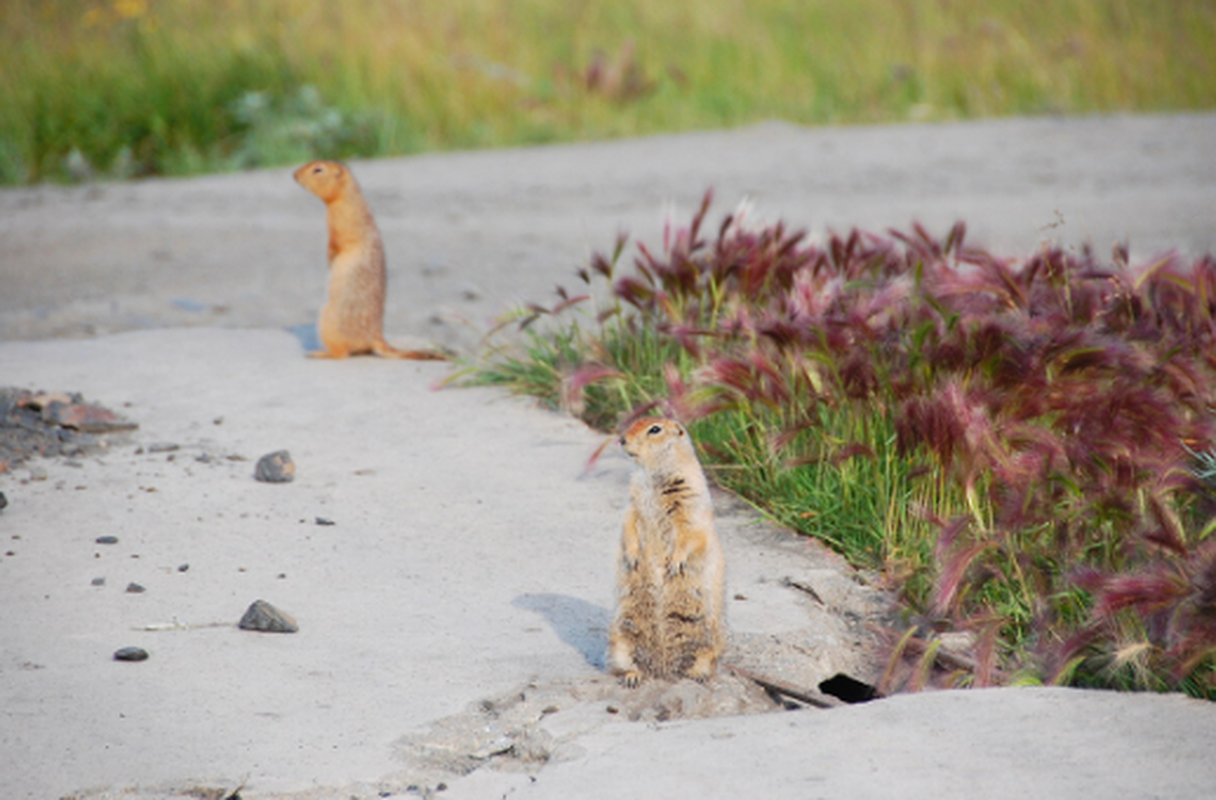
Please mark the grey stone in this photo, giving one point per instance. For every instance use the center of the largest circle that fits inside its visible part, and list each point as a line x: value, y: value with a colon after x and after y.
x: 130, y: 654
x: 276, y: 467
x: 262, y: 616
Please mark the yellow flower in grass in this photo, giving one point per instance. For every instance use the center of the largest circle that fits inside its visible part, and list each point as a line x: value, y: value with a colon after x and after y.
x: 130, y: 9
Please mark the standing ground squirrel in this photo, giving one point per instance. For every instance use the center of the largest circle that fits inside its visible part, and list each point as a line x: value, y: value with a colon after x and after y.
x: 668, y: 621
x: 352, y: 319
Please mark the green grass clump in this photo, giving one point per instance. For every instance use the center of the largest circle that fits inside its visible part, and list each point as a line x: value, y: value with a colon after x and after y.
x: 135, y: 87
x: 1012, y: 443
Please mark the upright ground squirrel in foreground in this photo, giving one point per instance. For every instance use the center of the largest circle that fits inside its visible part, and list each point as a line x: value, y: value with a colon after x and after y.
x: 670, y: 593
x: 352, y: 319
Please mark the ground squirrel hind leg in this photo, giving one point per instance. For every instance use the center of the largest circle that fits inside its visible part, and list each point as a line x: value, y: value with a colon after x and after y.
x: 703, y: 665
x: 620, y: 659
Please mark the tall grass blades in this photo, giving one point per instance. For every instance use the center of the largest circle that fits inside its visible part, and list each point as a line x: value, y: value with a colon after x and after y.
x: 135, y: 87
x: 1012, y: 441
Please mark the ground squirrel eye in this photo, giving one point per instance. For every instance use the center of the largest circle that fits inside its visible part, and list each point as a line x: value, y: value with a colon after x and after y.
x: 317, y: 170
x: 654, y: 429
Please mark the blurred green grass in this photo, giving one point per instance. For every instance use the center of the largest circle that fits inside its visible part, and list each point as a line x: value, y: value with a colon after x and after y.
x: 134, y: 87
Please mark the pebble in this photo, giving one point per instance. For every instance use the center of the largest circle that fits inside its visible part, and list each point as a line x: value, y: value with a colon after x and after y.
x: 84, y: 417
x: 324, y: 521
x: 37, y: 474
x: 183, y: 567
x: 3, y: 500
x: 262, y: 616
x: 135, y: 588
x: 130, y: 654
x: 106, y: 540
x: 99, y: 581
x: 276, y: 467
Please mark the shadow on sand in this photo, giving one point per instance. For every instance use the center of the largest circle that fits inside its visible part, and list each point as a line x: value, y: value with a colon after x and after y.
x: 582, y: 625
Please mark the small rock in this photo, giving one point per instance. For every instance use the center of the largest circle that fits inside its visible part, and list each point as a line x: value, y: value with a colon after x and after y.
x: 203, y: 458
x: 958, y: 642
x: 130, y: 654
x: 99, y: 581
x: 320, y: 520
x: 276, y: 467
x: 162, y: 447
x: 183, y: 567
x: 106, y: 540
x: 135, y: 588
x: 37, y: 474
x: 41, y: 401
x: 262, y: 616
x: 85, y: 418
x: 3, y: 501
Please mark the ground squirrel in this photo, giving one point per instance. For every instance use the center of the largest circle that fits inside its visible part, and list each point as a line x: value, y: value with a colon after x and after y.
x: 352, y: 319
x: 668, y: 621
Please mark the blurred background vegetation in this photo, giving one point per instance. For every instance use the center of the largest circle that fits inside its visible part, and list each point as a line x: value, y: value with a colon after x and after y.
x: 124, y: 88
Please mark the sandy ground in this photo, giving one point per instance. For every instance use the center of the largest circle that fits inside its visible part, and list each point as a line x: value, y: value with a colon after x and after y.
x: 452, y: 618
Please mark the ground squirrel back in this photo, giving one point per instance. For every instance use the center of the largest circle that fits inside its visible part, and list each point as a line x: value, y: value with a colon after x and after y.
x: 670, y: 592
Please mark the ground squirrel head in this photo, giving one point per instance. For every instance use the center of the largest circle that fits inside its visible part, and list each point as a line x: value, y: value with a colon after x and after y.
x: 657, y: 444
x: 326, y: 179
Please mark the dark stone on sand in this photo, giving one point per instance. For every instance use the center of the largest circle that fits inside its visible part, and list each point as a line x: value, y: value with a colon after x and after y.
x: 135, y: 588
x: 262, y: 616
x: 3, y: 501
x: 162, y: 447
x: 130, y: 654
x: 324, y: 521
x: 106, y: 540
x: 276, y: 467
x: 183, y: 567
x: 85, y: 418
x: 99, y: 581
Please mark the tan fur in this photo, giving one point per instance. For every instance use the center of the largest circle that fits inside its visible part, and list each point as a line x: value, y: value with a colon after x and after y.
x: 352, y: 319
x: 670, y: 590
